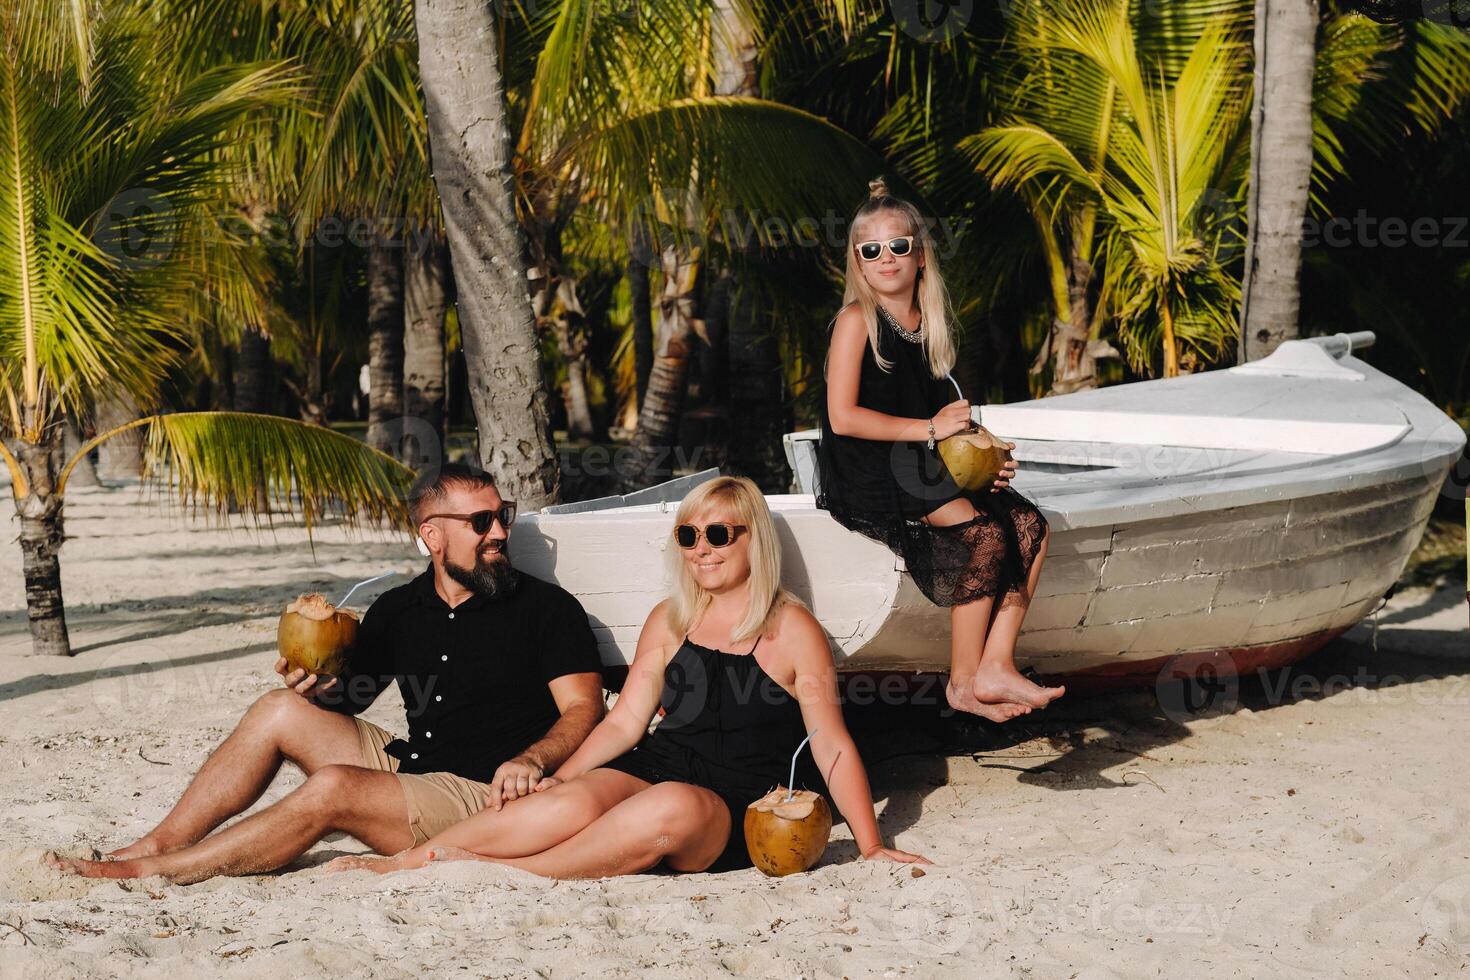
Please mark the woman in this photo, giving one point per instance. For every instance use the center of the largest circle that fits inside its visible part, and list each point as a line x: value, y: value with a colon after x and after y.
x: 889, y: 400
x: 742, y: 670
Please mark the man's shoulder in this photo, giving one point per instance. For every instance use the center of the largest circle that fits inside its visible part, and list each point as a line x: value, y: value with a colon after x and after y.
x: 395, y: 598
x: 542, y: 592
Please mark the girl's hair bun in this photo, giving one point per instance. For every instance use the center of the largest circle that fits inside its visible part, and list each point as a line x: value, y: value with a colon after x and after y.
x: 877, y: 188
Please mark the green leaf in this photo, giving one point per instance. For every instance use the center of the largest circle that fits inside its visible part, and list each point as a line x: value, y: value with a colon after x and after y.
x: 264, y: 464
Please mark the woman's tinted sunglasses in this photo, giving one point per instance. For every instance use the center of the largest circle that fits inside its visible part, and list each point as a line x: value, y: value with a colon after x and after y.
x: 718, y: 535
x: 871, y: 251
x: 481, y: 520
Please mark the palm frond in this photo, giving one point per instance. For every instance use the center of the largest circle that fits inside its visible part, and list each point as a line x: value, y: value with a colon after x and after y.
x: 264, y: 464
x: 759, y: 170
x: 107, y: 198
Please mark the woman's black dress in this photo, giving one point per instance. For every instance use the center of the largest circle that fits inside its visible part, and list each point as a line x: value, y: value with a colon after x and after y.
x: 882, y: 489
x: 728, y: 727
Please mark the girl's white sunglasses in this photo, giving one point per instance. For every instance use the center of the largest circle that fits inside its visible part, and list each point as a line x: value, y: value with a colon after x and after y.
x: 899, y: 247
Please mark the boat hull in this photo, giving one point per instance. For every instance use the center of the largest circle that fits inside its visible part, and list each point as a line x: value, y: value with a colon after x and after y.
x: 1234, y: 520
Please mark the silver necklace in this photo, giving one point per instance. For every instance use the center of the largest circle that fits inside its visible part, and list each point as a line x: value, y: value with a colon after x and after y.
x: 913, y: 337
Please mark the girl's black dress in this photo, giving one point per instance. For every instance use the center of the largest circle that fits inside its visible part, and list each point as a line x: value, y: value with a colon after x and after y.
x: 882, y: 489
x: 728, y: 727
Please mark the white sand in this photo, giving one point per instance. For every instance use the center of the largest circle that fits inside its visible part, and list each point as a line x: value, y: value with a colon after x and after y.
x: 1319, y: 835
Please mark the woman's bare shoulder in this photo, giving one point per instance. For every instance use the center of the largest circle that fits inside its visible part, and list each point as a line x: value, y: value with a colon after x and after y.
x: 794, y: 628
x: 657, y: 629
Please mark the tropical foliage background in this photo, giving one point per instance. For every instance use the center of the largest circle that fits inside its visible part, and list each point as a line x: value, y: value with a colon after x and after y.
x: 225, y: 264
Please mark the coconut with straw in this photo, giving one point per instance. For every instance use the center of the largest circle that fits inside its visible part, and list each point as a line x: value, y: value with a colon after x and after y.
x: 974, y: 458
x: 316, y: 635
x: 787, y: 830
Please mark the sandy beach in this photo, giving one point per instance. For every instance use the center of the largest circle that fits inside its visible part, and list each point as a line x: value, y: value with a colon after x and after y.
x: 1311, y: 822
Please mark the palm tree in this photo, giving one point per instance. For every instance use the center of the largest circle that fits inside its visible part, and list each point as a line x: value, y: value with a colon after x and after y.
x: 647, y: 149
x: 469, y: 136
x: 757, y: 399
x: 361, y: 149
x: 96, y: 297
x: 1318, y: 81
x: 1119, y: 153
x: 1280, y: 173
x: 426, y: 301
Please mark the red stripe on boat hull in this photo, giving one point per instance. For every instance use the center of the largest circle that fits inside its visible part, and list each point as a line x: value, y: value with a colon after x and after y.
x: 1221, y: 663
x: 1097, y: 680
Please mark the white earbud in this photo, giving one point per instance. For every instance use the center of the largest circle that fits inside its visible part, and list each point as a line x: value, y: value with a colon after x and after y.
x: 423, y: 548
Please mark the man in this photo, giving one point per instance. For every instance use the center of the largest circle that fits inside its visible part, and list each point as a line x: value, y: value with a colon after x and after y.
x: 500, y: 680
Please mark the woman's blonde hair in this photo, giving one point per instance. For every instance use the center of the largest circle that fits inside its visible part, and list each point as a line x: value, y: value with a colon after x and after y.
x: 688, y: 599
x: 934, y: 308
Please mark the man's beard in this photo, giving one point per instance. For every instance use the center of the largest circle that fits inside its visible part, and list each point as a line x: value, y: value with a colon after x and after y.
x: 491, y: 577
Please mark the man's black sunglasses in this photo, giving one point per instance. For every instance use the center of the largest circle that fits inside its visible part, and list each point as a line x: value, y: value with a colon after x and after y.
x: 481, y: 520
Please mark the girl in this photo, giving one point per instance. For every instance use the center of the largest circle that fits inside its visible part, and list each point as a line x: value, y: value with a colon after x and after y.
x: 889, y: 400
x: 743, y: 672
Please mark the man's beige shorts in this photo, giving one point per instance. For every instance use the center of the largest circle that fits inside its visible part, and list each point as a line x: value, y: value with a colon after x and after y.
x: 436, y: 800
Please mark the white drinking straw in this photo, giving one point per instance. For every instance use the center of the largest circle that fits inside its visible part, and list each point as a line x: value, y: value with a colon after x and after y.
x: 791, y: 780
x: 366, y: 581
x: 956, y: 384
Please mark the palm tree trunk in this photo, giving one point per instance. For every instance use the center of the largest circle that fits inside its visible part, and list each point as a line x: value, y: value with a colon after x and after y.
x: 252, y: 372
x: 426, y: 300
x: 638, y: 285
x: 312, y: 395
x: 663, y: 404
x: 40, y: 545
x: 1281, y: 173
x: 757, y: 390
x: 385, y: 346
x: 121, y: 457
x: 757, y: 397
x: 1074, y: 366
x: 469, y: 137
x: 569, y: 328
x: 85, y: 474
x: 1171, y: 348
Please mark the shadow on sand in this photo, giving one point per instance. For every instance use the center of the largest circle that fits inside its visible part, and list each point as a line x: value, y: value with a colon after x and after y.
x: 170, y: 615
x: 1079, y: 743
x: 33, y: 683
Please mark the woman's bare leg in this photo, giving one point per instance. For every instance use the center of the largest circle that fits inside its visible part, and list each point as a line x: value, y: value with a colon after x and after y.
x: 995, y: 678
x: 1005, y: 693
x: 683, y: 825
x: 523, y: 827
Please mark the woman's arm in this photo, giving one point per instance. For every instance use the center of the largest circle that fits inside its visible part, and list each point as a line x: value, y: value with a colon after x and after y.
x: 848, y: 418
x: 832, y: 745
x: 628, y: 720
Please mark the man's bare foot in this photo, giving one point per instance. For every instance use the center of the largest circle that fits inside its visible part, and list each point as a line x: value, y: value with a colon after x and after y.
x: 368, y: 862
x: 143, y: 847
x: 961, y: 697
x: 997, y: 685
x: 93, y: 869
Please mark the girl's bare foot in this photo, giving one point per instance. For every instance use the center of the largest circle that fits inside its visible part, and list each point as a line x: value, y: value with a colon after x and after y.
x: 997, y: 685
x: 961, y: 697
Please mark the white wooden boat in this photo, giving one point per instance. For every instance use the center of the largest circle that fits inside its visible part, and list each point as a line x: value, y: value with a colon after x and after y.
x: 1242, y: 517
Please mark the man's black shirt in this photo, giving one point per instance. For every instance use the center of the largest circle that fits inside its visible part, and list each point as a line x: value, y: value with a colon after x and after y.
x: 473, y: 678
